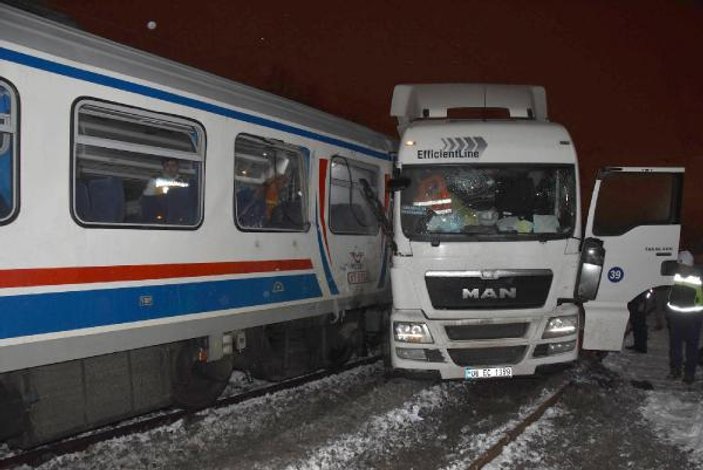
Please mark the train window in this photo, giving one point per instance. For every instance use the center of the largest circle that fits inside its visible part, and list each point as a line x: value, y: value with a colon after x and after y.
x: 8, y: 152
x: 269, y: 185
x: 135, y: 167
x: 350, y: 213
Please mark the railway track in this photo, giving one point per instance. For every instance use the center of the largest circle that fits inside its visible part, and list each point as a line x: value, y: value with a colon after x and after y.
x: 515, y: 431
x: 43, y: 453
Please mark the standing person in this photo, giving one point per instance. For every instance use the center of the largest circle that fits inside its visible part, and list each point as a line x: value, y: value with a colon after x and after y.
x: 639, y: 307
x: 685, y: 316
x: 661, y: 297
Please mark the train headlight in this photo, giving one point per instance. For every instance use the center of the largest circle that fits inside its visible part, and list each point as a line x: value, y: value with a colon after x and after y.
x: 561, y: 326
x: 411, y: 332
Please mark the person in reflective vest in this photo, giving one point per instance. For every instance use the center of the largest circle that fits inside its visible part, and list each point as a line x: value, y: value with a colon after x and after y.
x: 685, y: 316
x: 432, y: 193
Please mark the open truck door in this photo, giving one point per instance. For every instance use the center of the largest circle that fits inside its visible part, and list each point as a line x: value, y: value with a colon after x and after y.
x: 636, y: 214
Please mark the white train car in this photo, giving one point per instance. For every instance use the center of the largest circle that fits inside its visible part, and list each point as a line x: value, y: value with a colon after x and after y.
x: 159, y: 225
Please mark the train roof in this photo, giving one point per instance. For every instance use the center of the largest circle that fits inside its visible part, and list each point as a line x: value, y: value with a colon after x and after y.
x: 41, y: 34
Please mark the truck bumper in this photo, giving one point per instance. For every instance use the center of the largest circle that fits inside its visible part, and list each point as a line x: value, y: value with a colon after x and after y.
x: 477, y: 343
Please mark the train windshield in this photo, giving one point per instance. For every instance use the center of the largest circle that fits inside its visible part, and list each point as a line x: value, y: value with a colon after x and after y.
x: 477, y: 202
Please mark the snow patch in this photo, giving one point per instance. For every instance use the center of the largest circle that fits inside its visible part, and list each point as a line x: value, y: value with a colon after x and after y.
x: 521, y: 450
x: 677, y: 419
x: 209, y: 429
x: 378, y: 434
x: 473, y: 444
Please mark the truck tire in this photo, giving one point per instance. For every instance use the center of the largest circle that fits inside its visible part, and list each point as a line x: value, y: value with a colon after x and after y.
x: 389, y: 371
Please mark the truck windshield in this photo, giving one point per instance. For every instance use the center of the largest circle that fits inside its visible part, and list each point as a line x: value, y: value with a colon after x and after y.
x: 498, y: 202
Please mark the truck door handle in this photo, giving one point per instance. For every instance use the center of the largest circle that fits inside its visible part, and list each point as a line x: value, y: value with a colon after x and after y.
x: 669, y: 267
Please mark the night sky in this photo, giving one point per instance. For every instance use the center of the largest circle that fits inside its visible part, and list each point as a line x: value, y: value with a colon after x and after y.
x: 625, y: 78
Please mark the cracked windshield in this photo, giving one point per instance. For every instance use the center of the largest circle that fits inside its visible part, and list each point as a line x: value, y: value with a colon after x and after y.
x: 498, y: 202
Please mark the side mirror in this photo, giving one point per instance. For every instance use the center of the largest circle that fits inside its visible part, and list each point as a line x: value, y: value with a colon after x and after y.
x: 397, y: 184
x: 590, y: 269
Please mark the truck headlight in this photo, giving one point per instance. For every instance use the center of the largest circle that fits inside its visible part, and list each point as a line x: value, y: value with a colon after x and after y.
x: 410, y: 332
x: 561, y: 326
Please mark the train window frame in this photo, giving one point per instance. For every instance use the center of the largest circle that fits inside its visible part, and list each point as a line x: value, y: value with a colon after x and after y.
x: 136, y: 162
x: 345, y: 161
x: 10, y: 141
x: 264, y: 219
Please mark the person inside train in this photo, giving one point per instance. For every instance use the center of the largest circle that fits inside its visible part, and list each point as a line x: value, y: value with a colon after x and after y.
x: 274, y: 188
x: 264, y: 205
x: 170, y: 197
x: 170, y: 177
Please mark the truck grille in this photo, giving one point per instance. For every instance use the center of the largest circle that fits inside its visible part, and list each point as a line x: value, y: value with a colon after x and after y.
x: 487, y: 356
x: 469, y: 332
x: 496, y: 289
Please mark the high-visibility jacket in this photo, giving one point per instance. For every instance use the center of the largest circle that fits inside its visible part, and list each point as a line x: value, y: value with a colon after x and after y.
x: 271, y: 196
x: 686, y: 294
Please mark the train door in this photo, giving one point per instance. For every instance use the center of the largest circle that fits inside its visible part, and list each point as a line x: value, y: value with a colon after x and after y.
x: 635, y: 213
x: 354, y: 238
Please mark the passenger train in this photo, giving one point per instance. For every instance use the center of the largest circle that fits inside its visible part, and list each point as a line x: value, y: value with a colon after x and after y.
x: 161, y: 226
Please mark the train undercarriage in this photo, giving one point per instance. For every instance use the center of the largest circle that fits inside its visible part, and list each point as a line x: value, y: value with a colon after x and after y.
x: 46, y: 403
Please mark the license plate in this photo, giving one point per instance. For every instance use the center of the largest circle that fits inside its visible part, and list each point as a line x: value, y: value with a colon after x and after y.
x: 488, y: 373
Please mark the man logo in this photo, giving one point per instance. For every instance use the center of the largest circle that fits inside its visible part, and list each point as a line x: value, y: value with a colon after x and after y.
x: 489, y: 293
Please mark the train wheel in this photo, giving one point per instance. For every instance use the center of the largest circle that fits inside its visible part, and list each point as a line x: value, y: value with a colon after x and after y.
x: 340, y: 353
x: 346, y: 341
x: 197, y: 384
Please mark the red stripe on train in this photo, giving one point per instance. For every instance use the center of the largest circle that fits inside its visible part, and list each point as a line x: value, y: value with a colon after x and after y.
x: 90, y: 274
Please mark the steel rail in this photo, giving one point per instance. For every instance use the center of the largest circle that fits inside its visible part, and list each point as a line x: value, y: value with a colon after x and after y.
x: 513, y: 433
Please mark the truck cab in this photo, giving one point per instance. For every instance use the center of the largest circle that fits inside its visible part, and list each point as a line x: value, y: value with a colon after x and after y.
x: 491, y: 270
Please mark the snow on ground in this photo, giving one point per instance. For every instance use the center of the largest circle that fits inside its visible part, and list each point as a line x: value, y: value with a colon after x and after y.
x: 523, y: 449
x: 5, y: 451
x: 678, y: 419
x: 672, y: 408
x: 185, y: 442
x: 450, y: 421
x: 473, y: 444
x: 609, y: 418
x: 357, y: 419
x: 378, y: 434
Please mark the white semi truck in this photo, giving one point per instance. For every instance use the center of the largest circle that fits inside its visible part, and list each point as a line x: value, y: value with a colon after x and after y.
x: 492, y: 274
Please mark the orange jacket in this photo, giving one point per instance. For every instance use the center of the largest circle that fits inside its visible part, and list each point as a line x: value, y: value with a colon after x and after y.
x: 432, y: 192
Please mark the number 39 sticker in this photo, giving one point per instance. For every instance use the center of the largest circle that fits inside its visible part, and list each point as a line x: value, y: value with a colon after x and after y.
x: 616, y: 274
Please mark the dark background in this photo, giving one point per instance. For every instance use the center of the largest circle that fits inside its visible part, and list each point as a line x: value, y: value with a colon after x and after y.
x: 625, y: 77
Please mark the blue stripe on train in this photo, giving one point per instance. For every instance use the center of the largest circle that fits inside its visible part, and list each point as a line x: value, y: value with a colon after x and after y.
x: 100, y: 79
x: 31, y: 314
